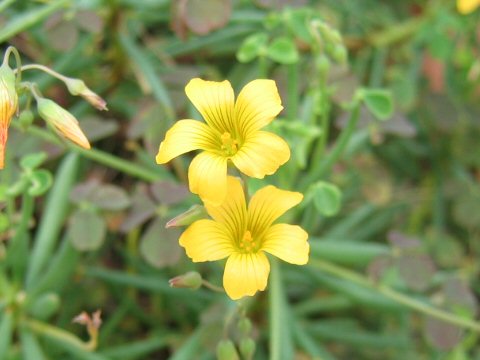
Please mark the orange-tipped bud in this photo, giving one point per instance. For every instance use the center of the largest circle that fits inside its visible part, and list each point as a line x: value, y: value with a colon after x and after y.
x: 190, y: 280
x: 62, y: 121
x: 8, y: 106
x: 77, y: 87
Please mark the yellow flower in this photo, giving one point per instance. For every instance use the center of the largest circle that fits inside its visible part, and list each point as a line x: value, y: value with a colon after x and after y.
x: 8, y: 106
x: 231, y: 132
x: 244, y: 235
x: 467, y: 6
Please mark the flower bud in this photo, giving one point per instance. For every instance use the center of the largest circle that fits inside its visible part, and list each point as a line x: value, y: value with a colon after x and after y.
x: 190, y: 280
x: 196, y: 212
x: 8, y: 106
x: 226, y: 351
x: 247, y: 348
x: 77, y: 87
x: 62, y: 121
x: 245, y: 326
x: 26, y: 118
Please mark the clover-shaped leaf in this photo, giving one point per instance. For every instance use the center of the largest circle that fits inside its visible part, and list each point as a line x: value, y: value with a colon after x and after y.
x: 86, y: 230
x: 283, y: 51
x: 327, y: 198
x: 33, y: 161
x: 40, y: 182
x: 379, y: 102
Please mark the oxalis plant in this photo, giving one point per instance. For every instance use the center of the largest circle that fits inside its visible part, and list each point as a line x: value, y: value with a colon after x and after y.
x: 259, y: 180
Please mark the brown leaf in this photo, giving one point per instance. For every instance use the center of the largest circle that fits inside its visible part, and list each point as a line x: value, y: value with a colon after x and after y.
x: 203, y: 16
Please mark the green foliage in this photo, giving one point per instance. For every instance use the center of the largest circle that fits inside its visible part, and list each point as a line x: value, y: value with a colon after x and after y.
x: 391, y: 207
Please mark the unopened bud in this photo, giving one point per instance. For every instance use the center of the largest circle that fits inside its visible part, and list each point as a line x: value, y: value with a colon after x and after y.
x: 247, y: 348
x: 245, y: 326
x: 77, y: 87
x: 339, y: 54
x: 196, y: 212
x: 226, y: 351
x: 26, y: 118
x: 323, y: 65
x: 8, y: 106
x: 62, y: 121
x: 190, y: 280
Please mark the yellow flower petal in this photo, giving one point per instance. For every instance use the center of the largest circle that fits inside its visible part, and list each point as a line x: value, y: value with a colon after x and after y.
x: 245, y: 274
x: 214, y: 100
x: 207, y: 177
x: 267, y: 204
x: 261, y: 154
x: 233, y: 211
x: 206, y: 240
x: 257, y: 105
x: 467, y: 6
x: 185, y: 136
x: 288, y: 242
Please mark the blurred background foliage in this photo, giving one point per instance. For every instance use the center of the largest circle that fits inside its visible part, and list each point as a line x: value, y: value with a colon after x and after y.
x: 392, y: 201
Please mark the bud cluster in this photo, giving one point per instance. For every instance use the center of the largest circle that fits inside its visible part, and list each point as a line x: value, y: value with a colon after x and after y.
x: 58, y: 118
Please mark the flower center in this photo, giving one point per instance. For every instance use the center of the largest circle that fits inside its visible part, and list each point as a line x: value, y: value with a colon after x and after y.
x: 229, y: 145
x: 248, y: 243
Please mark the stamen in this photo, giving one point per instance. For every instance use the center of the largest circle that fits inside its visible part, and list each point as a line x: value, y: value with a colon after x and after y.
x: 247, y: 244
x: 229, y: 145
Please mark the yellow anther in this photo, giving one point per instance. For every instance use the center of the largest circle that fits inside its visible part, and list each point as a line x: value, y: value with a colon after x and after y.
x: 229, y: 145
x: 247, y: 236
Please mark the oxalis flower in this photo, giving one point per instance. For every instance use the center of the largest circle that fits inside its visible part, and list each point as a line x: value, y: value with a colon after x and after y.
x: 231, y: 133
x: 467, y: 6
x: 244, y: 235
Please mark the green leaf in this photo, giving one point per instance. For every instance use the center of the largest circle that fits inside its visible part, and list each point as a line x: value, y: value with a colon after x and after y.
x: 41, y: 180
x: 159, y: 246
x: 6, y: 330
x: 110, y: 197
x: 283, y: 51
x: 252, y: 47
x: 327, y: 198
x: 299, y: 20
x: 18, y: 187
x: 45, y: 306
x: 86, y: 230
x: 30, y: 346
x: 33, y: 161
x: 379, y: 102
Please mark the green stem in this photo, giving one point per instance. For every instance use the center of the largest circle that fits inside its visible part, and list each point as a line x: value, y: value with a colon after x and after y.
x: 99, y: 156
x: 394, y: 295
x: 60, y: 335
x: 397, y: 32
x: 262, y: 67
x: 44, y: 69
x: 212, y: 287
x: 18, y: 60
x: 325, y: 165
x: 292, y: 91
x: 324, y: 113
x: 275, y: 311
